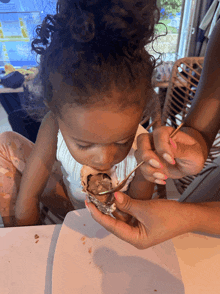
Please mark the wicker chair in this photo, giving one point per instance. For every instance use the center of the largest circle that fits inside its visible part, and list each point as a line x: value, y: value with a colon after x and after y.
x: 180, y: 93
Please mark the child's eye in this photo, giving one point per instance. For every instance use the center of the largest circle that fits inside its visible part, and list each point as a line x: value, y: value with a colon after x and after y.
x: 126, y: 143
x: 83, y: 147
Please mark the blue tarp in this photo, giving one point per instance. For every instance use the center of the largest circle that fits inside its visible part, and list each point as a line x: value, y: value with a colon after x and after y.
x: 18, y: 20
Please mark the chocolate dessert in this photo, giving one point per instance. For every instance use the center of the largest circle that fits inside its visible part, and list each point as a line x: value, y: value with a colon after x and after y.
x: 93, y: 183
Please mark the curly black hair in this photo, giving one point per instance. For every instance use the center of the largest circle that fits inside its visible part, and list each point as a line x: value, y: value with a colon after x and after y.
x: 89, y: 47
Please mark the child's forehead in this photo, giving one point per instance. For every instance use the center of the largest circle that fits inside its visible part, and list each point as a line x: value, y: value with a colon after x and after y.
x: 100, y: 125
x: 100, y: 112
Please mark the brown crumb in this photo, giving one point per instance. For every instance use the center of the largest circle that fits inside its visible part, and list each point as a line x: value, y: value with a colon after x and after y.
x: 90, y: 250
x: 84, y: 225
x: 36, y: 236
x: 155, y: 290
x: 83, y: 238
x: 37, y: 241
x: 84, y: 243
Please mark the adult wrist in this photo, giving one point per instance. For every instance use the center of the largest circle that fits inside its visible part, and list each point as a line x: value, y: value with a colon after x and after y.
x: 208, y: 217
x: 191, y: 215
x: 205, y: 145
x: 203, y: 217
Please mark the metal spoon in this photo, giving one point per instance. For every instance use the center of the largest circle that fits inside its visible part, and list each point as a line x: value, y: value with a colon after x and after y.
x: 121, y: 185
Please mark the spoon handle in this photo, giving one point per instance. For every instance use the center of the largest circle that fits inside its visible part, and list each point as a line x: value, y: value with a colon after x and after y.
x: 176, y: 130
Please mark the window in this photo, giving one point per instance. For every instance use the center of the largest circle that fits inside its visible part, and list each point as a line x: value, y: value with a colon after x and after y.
x: 18, y: 20
x: 170, y: 16
x: 19, y: 17
x: 16, y: 34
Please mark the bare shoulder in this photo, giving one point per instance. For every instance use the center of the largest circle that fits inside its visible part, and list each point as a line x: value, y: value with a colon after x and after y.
x: 46, y: 142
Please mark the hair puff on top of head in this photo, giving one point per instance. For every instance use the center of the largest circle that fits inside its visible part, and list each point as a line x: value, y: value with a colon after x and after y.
x: 116, y: 27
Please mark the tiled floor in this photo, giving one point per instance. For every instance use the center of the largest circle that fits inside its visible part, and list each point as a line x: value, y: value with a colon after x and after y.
x: 5, y: 126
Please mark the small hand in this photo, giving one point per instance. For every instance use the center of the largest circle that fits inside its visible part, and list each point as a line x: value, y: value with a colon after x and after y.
x: 156, y: 220
x: 174, y: 158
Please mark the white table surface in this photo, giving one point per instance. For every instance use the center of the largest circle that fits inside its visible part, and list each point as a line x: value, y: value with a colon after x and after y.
x: 26, y: 266
x: 190, y: 260
x: 10, y: 90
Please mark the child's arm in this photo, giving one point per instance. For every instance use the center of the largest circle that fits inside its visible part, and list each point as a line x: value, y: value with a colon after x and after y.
x: 140, y: 188
x: 36, y: 173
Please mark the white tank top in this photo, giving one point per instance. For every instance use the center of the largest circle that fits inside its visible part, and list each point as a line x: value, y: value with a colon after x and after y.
x: 71, y: 169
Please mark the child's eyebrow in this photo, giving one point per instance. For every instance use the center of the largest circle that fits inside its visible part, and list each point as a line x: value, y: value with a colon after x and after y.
x: 93, y: 143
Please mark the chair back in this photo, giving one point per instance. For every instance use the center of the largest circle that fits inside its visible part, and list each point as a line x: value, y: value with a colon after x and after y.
x: 182, y: 87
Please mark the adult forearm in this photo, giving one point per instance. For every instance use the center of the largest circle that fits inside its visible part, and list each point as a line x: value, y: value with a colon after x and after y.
x: 204, y: 113
x: 202, y: 217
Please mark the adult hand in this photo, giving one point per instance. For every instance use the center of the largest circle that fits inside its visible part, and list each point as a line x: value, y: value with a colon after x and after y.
x: 156, y: 220
x: 184, y: 154
x: 120, y: 215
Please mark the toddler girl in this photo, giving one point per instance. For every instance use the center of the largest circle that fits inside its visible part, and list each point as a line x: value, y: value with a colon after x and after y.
x: 95, y: 79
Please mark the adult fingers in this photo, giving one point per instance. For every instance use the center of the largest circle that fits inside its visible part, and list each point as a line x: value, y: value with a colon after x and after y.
x: 153, y: 175
x: 164, y: 145
x: 187, y: 147
x: 117, y: 227
x: 146, y: 151
x: 170, y: 148
x: 152, y: 168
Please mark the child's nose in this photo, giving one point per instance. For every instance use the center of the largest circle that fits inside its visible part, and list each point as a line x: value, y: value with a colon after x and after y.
x: 105, y: 158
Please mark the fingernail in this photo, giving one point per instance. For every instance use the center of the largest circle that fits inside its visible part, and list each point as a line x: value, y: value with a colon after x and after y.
x: 118, y: 197
x: 172, y: 143
x: 87, y: 206
x: 160, y: 182
x: 160, y: 176
x: 155, y: 163
x: 168, y: 158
